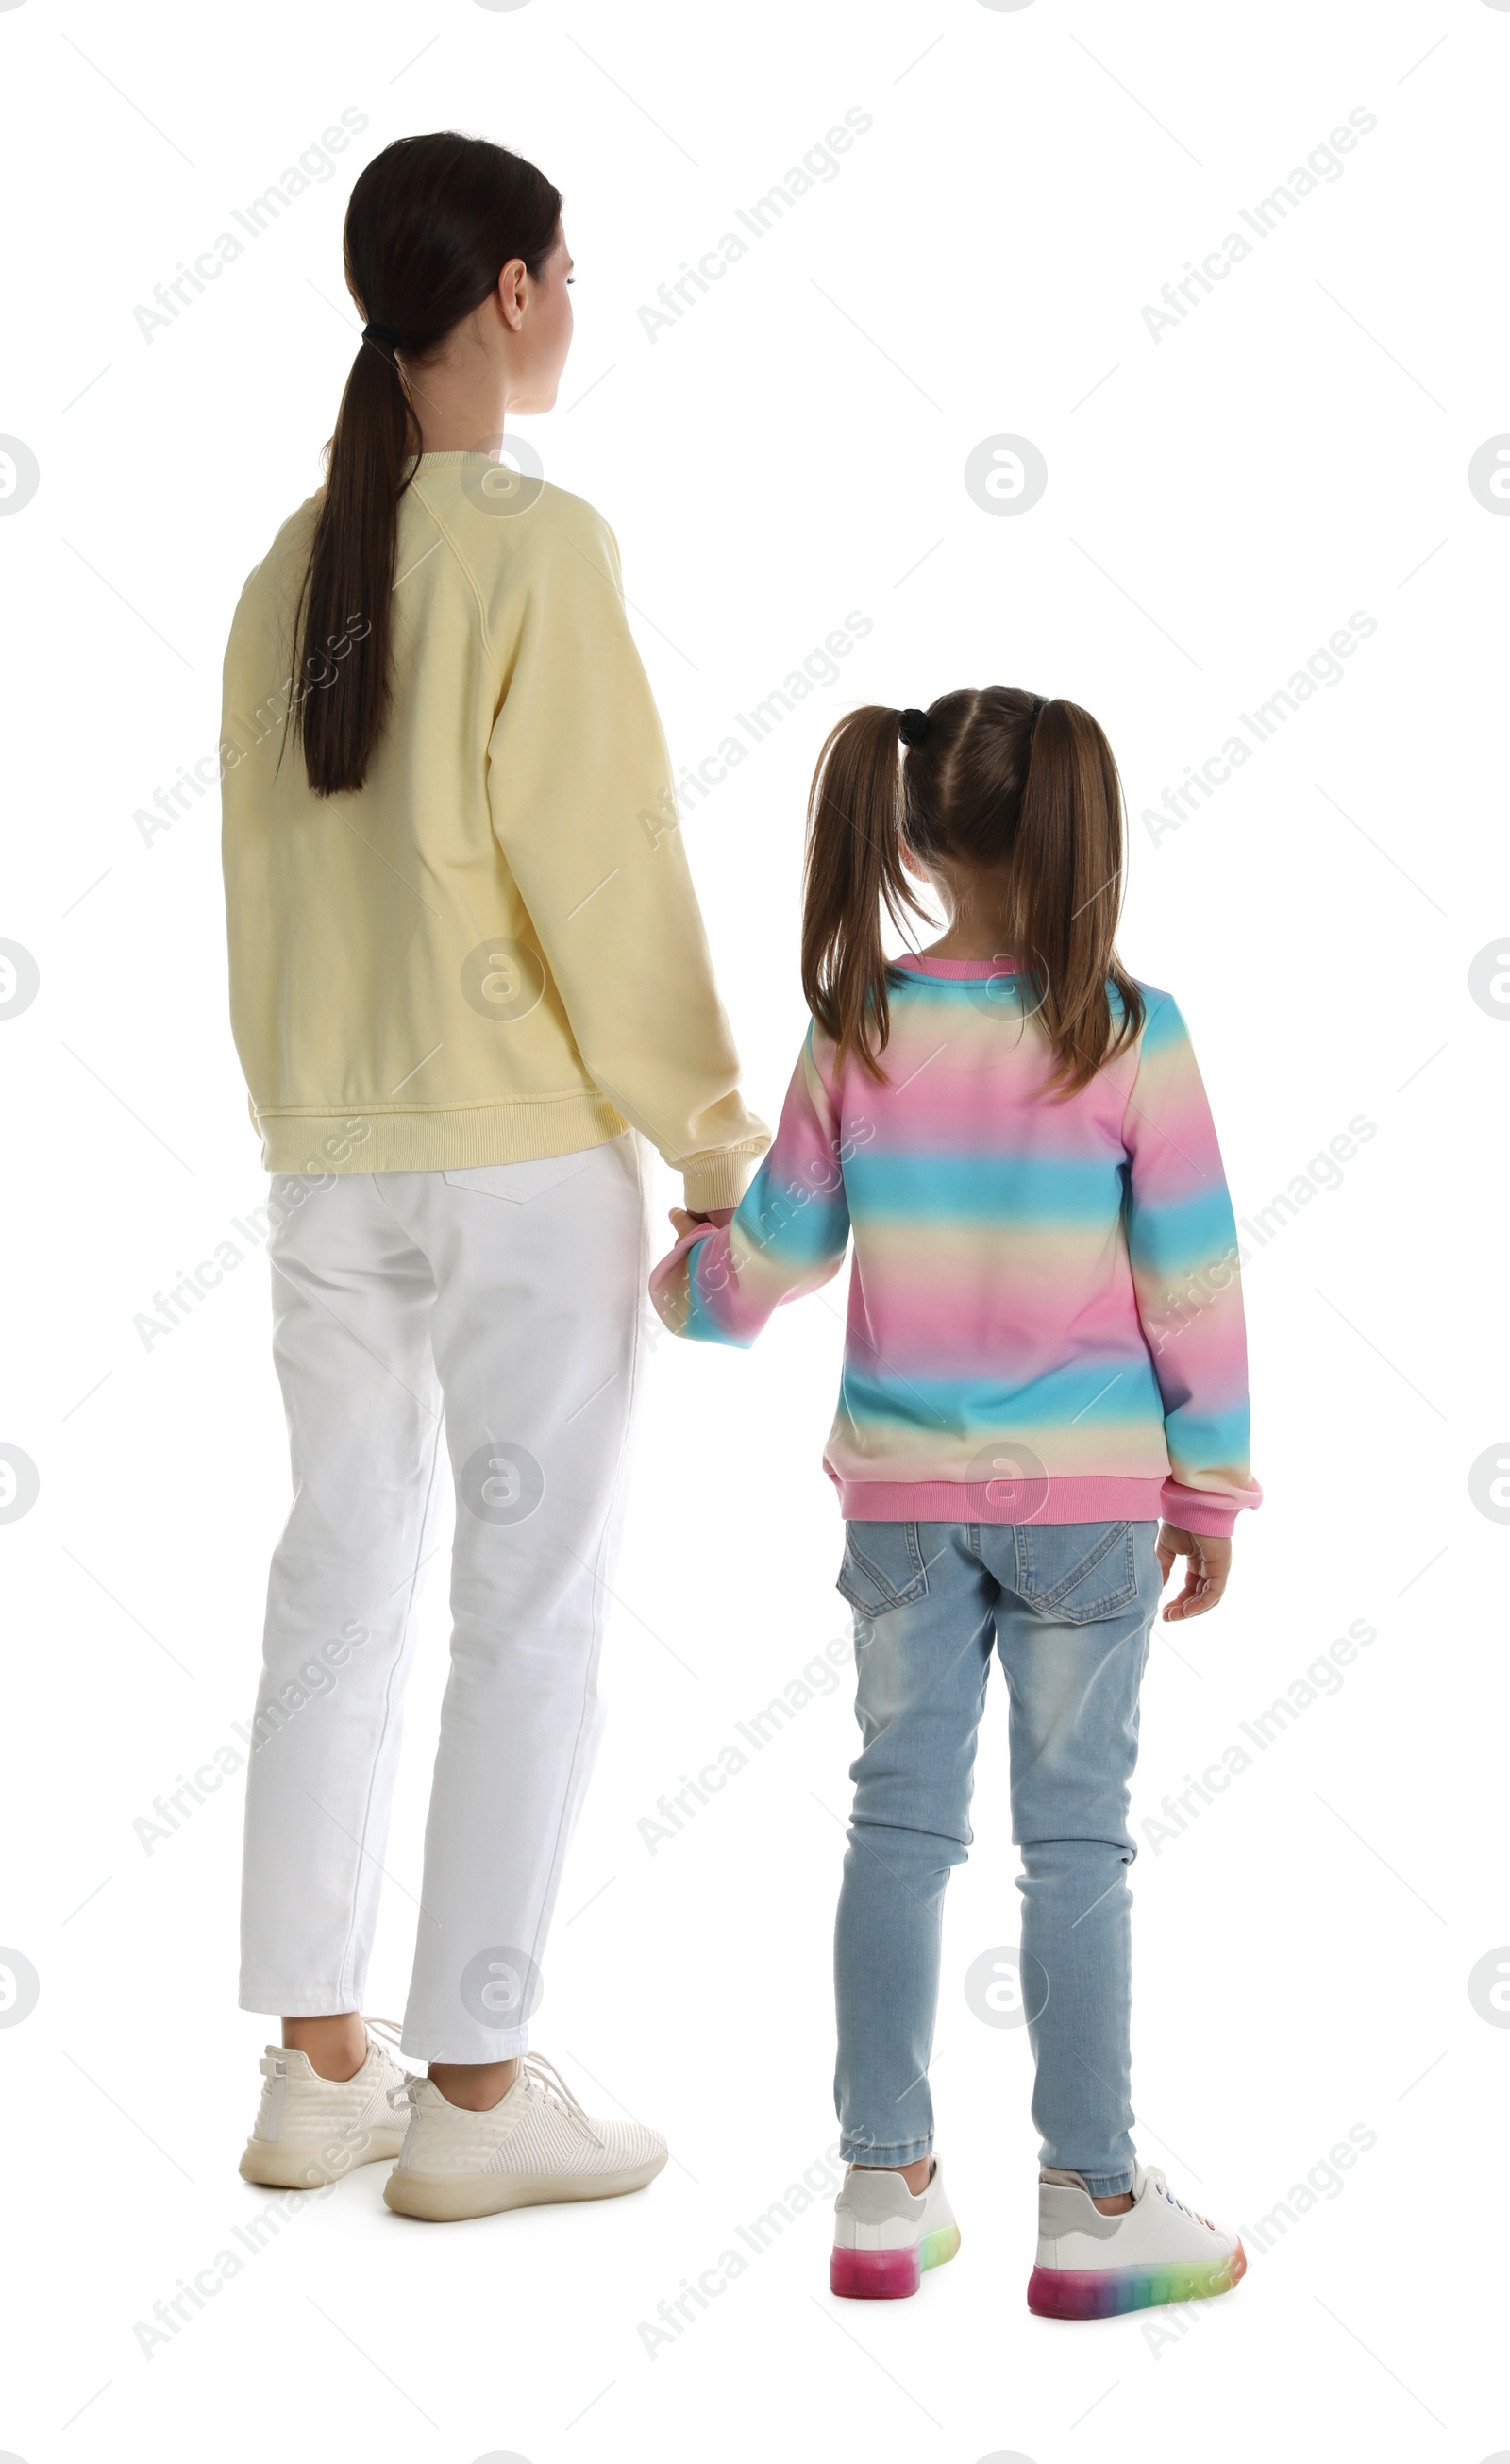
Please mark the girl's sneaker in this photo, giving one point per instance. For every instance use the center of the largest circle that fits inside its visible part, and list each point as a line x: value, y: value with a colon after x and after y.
x: 533, y: 2147
x: 1092, y: 2266
x: 310, y: 2130
x: 884, y: 2238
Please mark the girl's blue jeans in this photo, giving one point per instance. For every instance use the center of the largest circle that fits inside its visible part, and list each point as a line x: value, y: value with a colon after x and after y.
x: 1067, y: 1607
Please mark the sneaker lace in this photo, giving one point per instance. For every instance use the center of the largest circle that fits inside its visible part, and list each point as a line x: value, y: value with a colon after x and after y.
x: 541, y: 2077
x: 1160, y: 2184
x: 545, y: 2081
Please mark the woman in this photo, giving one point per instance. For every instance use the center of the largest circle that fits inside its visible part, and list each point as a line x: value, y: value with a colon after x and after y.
x: 467, y: 967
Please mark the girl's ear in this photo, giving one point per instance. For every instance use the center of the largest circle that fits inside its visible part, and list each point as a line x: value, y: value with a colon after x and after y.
x: 919, y: 870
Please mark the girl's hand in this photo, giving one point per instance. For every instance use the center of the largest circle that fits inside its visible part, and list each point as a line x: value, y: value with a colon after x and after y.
x: 682, y: 1221
x: 1205, y: 1576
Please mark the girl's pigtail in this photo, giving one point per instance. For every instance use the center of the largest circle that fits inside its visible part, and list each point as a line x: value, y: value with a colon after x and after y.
x: 1068, y: 860
x: 853, y: 870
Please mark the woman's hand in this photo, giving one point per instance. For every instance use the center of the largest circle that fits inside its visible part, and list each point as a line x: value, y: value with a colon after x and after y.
x: 682, y: 1221
x: 1205, y: 1576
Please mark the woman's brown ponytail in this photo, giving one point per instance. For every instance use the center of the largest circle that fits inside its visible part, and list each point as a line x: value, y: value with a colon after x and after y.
x: 432, y: 224
x: 339, y: 709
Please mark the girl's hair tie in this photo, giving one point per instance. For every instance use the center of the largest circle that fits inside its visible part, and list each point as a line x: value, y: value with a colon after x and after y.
x: 913, y: 725
x: 383, y: 334
x: 1038, y: 705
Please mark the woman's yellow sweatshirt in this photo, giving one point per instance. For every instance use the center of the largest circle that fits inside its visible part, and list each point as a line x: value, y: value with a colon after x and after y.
x: 493, y: 950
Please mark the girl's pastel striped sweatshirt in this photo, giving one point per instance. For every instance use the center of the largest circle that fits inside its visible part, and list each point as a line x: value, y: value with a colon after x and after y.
x: 1046, y: 1321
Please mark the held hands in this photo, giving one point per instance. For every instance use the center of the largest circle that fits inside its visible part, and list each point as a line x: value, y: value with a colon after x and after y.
x: 1205, y: 1576
x: 682, y: 1221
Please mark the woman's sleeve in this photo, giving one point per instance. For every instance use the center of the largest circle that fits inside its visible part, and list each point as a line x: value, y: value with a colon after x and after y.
x: 584, y: 807
x: 719, y: 1285
x: 1183, y: 1244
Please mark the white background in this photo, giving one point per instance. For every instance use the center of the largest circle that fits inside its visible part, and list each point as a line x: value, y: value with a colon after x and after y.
x: 1220, y: 502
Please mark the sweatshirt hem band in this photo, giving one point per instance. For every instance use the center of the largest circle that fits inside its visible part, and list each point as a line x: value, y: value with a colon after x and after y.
x: 1080, y: 1499
x: 351, y: 1140
x: 465, y: 1135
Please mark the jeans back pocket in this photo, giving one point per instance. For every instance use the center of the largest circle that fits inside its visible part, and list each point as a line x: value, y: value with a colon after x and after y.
x: 1076, y: 1572
x: 884, y: 1566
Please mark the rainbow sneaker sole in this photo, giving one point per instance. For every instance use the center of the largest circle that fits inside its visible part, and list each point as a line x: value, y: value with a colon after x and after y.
x: 1106, y: 2291
x: 890, y: 2275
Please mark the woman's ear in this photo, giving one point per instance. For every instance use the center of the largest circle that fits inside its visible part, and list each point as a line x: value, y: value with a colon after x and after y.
x: 919, y: 870
x: 510, y: 292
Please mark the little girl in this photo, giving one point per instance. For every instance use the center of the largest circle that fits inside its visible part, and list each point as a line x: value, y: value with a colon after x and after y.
x: 1044, y: 1355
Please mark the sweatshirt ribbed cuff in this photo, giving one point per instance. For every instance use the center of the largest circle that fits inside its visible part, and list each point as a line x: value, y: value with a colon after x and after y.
x: 1203, y: 1510
x: 1210, y: 1522
x: 719, y: 1179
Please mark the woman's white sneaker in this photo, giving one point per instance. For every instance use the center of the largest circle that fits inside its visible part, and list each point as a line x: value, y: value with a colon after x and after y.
x: 535, y: 2145
x: 1092, y: 2266
x: 884, y: 2238
x: 310, y: 2130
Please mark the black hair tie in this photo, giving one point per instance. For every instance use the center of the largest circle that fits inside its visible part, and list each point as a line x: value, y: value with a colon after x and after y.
x: 913, y: 725
x: 383, y: 334
x: 1038, y: 707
